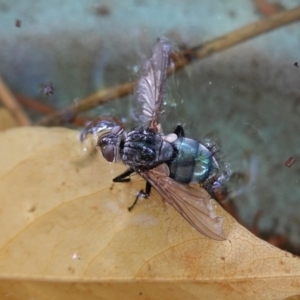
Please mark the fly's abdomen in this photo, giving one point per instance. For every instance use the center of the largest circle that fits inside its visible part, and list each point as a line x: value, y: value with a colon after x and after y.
x: 193, y: 163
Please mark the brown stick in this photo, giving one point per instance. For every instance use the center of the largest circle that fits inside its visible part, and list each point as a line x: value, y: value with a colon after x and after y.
x: 45, y: 109
x: 182, y: 59
x: 10, y: 102
x: 35, y: 105
x: 240, y: 35
x: 67, y: 114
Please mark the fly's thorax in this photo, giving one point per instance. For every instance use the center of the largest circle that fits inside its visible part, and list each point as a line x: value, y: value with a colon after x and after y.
x: 194, y: 162
x: 145, y: 149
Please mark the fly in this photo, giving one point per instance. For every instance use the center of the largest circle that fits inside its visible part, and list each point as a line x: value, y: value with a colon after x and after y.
x: 169, y: 163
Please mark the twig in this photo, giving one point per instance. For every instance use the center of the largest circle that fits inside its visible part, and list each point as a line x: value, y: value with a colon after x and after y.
x: 10, y: 102
x: 240, y: 35
x: 182, y: 59
x: 45, y: 109
x: 67, y: 114
x: 35, y: 105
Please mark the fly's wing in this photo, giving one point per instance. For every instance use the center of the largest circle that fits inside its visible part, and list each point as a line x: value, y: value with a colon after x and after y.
x: 194, y: 204
x: 150, y: 87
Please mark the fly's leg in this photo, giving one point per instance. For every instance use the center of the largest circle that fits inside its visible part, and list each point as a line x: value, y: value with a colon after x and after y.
x: 123, y: 177
x: 179, y: 131
x: 142, y: 193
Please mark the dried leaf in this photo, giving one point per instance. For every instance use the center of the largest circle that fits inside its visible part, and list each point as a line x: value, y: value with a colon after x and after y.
x: 6, y: 119
x: 66, y: 234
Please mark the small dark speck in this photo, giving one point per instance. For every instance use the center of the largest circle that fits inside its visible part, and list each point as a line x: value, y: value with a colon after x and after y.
x: 296, y: 64
x: 111, y: 187
x: 32, y: 209
x: 4, y: 7
x: 223, y: 258
x: 141, y: 2
x: 232, y: 14
x: 18, y: 23
x: 48, y: 89
x: 254, y: 63
x: 141, y: 293
x: 103, y: 10
x: 290, y: 161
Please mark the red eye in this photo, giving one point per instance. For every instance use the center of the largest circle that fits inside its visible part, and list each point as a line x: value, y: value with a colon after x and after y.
x: 109, y: 153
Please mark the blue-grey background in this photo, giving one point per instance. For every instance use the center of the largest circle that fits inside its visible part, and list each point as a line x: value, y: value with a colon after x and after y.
x: 246, y: 98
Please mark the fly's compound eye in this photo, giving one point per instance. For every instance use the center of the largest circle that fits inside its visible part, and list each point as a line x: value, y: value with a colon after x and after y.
x: 109, y: 153
x: 111, y: 143
x: 107, y: 145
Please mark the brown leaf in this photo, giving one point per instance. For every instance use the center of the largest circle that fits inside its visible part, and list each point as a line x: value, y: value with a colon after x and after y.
x: 6, y: 119
x: 66, y: 233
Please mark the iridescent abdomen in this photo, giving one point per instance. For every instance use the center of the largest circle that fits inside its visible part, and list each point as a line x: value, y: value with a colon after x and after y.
x: 193, y: 163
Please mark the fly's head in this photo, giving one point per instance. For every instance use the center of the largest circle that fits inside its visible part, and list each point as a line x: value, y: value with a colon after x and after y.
x: 109, y: 137
x: 142, y: 149
x: 111, y: 143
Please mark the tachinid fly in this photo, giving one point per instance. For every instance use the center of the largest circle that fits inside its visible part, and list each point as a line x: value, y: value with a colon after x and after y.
x: 169, y: 163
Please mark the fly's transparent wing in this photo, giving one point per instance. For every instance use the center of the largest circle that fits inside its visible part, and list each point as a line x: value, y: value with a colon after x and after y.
x: 194, y: 204
x: 150, y: 87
